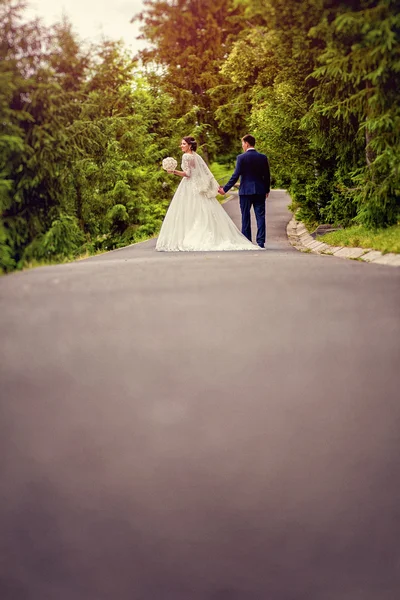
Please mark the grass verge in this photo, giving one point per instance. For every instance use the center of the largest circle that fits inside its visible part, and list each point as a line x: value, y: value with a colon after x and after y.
x: 384, y: 240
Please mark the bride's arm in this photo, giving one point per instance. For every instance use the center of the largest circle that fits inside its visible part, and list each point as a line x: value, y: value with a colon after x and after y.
x: 180, y: 173
x: 186, y: 167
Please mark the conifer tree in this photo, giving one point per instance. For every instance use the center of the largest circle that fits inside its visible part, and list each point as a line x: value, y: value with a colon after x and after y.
x: 359, y: 80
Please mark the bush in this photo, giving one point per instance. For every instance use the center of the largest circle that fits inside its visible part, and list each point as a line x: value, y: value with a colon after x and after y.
x: 118, y: 218
x: 64, y: 239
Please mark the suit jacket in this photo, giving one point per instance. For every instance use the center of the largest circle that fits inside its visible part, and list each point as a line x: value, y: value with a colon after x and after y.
x: 253, y: 169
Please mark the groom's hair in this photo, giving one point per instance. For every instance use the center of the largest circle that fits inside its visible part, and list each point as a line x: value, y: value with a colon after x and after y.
x: 250, y: 139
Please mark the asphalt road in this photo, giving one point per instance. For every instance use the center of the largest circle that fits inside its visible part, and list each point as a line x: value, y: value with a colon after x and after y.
x: 193, y: 426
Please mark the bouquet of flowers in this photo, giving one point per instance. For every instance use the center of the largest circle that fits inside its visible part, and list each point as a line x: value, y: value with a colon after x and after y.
x: 169, y: 163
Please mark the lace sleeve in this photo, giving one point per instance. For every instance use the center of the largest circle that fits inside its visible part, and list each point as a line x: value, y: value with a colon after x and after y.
x: 187, y: 164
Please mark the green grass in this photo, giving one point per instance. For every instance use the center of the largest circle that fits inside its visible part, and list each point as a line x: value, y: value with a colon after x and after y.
x: 385, y: 240
x: 221, y: 172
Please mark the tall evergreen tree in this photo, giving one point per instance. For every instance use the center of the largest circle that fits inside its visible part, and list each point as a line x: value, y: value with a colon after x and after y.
x: 359, y: 81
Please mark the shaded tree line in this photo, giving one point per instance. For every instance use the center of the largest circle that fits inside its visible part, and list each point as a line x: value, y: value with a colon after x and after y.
x: 82, y: 136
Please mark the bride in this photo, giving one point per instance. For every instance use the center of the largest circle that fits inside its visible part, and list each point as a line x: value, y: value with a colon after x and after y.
x: 195, y: 220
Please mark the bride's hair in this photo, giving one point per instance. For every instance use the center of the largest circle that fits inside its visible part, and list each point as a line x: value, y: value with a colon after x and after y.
x: 192, y: 143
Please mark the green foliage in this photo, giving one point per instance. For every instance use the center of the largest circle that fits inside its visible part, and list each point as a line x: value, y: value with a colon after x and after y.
x: 318, y: 84
x: 118, y: 218
x: 359, y: 80
x: 268, y: 70
x: 82, y: 137
x: 189, y: 41
x: 7, y: 263
x: 63, y: 239
x: 83, y: 130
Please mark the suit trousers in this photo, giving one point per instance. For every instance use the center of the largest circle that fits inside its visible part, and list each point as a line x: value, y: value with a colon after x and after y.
x: 258, y: 203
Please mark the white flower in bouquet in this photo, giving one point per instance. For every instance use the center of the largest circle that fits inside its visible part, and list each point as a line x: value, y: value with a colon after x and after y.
x: 169, y: 163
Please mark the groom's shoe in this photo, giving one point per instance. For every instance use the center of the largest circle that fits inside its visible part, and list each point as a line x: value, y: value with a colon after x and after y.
x: 261, y: 245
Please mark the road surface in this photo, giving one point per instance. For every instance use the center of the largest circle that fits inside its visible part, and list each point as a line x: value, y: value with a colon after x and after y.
x: 192, y: 426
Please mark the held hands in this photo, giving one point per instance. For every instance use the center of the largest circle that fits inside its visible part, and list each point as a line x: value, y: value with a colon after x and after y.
x: 221, y: 191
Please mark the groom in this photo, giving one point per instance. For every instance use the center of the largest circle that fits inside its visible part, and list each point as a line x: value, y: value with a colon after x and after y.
x: 253, y: 170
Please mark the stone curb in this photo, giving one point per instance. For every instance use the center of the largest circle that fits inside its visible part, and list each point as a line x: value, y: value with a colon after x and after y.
x: 300, y: 238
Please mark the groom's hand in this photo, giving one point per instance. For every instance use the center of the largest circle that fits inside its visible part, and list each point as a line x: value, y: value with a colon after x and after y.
x: 221, y: 191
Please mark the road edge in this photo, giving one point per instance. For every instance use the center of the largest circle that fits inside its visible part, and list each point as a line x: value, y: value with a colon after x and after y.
x: 300, y: 238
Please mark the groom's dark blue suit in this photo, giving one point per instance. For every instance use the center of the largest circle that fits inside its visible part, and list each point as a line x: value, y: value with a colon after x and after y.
x: 253, y: 170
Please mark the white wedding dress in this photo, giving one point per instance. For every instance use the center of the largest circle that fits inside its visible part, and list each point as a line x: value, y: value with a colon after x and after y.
x: 195, y: 220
